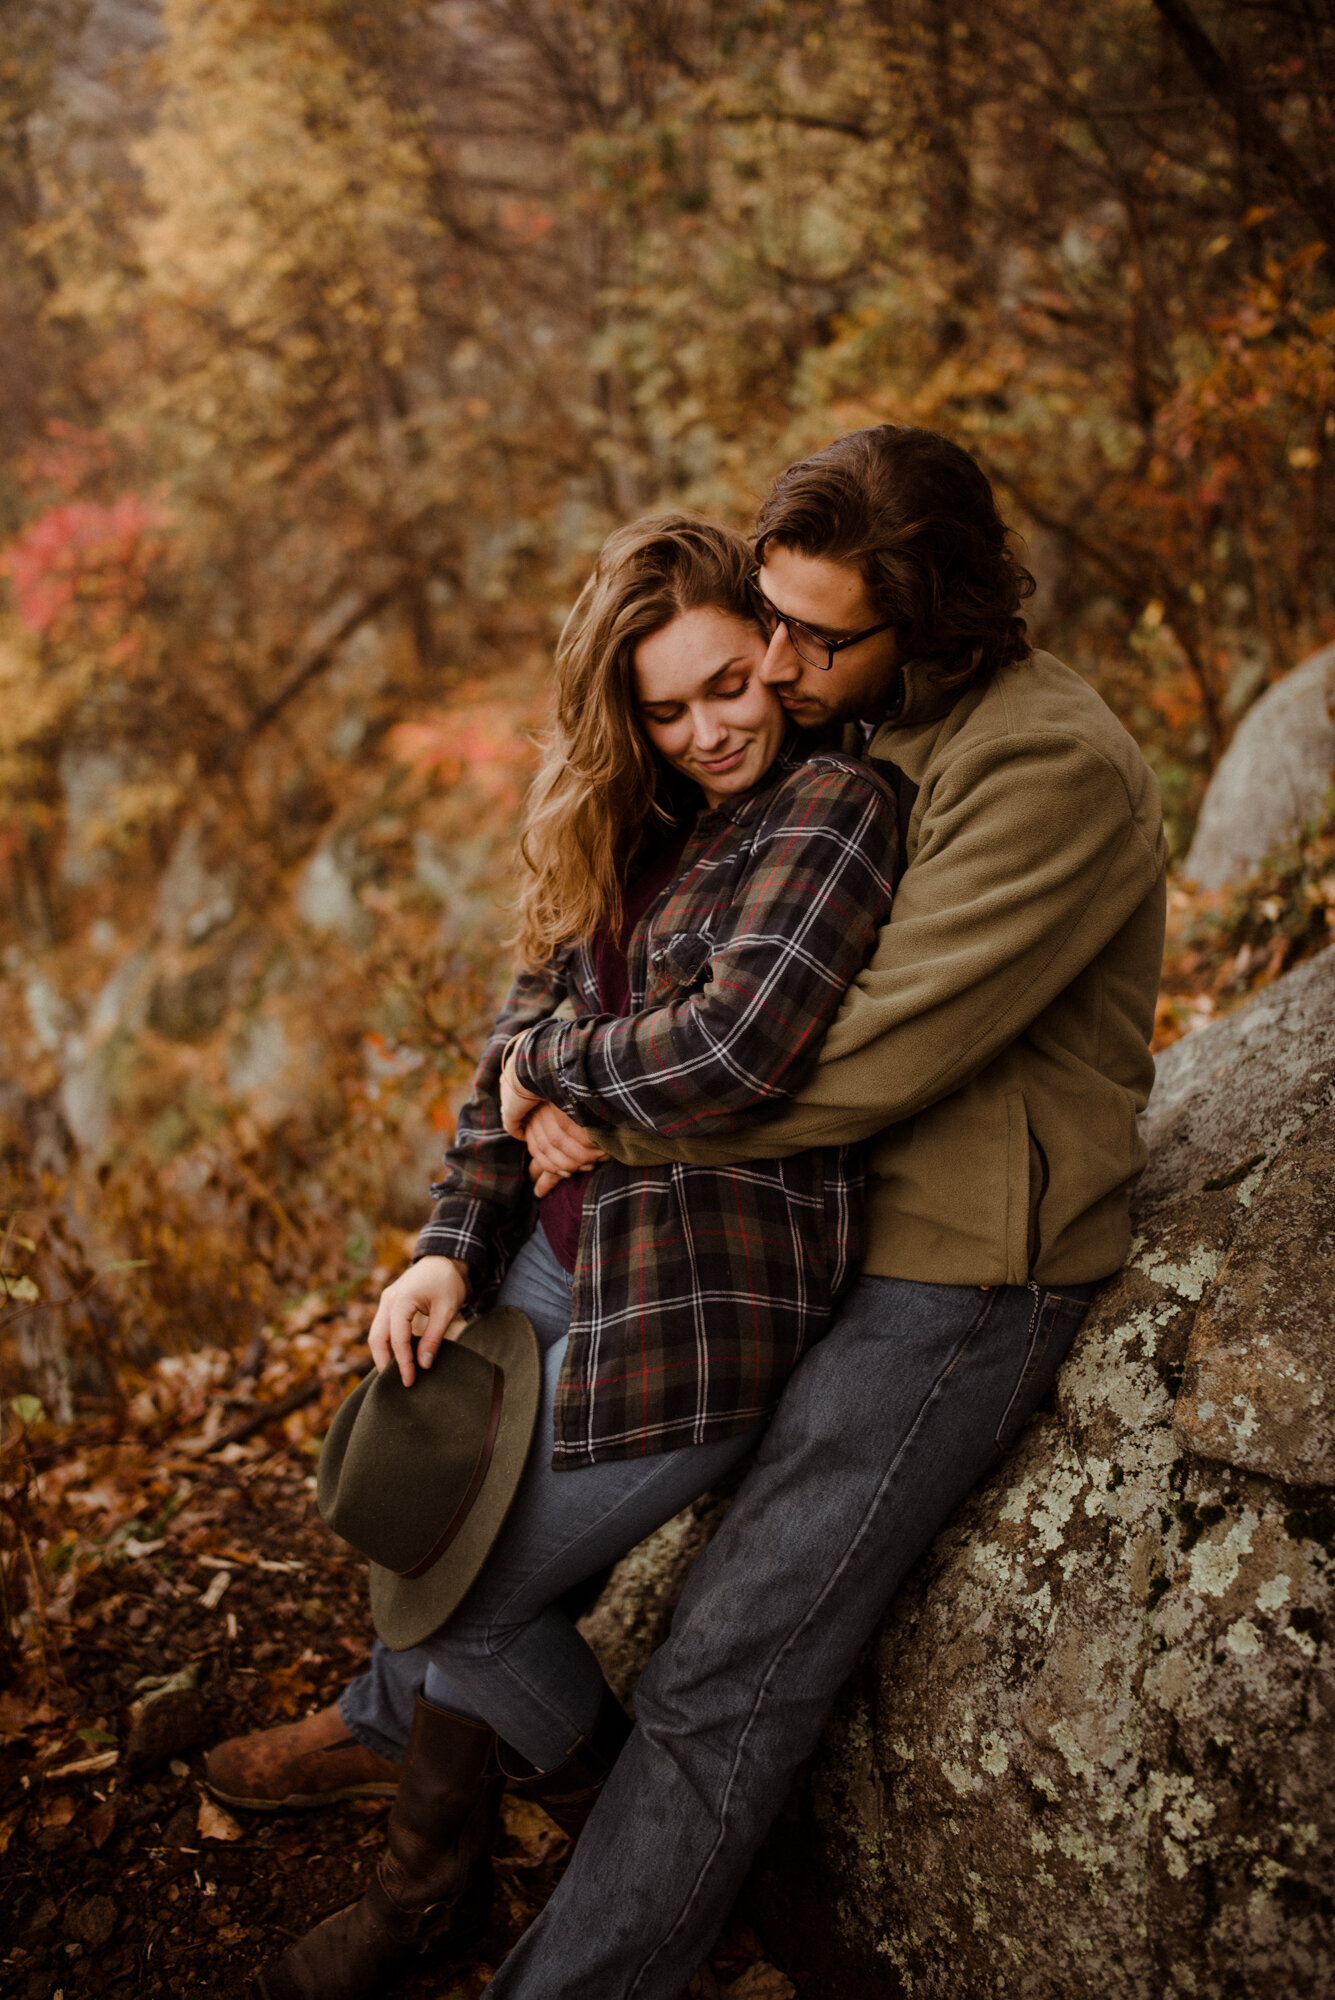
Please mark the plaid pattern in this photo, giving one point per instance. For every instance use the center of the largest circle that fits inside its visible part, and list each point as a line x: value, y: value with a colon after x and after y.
x: 697, y: 1288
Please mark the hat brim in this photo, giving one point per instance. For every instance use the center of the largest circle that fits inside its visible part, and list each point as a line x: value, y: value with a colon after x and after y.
x: 407, y: 1610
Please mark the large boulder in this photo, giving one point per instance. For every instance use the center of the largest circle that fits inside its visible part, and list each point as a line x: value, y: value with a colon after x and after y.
x: 1090, y: 1751
x: 1272, y: 777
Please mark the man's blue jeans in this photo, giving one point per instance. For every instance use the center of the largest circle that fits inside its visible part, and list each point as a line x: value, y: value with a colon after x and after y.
x: 509, y: 1656
x: 881, y: 1431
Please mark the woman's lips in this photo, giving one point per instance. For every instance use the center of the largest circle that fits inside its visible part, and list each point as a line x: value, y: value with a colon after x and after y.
x: 724, y: 763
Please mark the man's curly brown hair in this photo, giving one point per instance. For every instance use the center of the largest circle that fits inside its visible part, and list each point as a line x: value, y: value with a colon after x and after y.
x: 916, y: 515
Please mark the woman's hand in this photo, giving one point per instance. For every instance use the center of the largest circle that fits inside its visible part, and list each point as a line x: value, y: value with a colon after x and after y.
x: 434, y: 1289
x: 517, y: 1104
x: 558, y: 1147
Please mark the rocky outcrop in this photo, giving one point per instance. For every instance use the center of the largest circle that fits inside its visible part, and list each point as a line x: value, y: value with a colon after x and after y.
x: 1272, y: 777
x: 1089, y: 1752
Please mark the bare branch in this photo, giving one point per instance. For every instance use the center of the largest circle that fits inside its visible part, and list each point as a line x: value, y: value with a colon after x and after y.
x: 329, y: 634
x: 1254, y: 127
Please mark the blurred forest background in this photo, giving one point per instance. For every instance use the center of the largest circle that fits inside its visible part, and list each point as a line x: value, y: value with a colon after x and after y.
x: 334, y: 337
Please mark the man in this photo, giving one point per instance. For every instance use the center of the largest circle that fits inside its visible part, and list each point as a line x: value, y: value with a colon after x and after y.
x: 995, y: 1055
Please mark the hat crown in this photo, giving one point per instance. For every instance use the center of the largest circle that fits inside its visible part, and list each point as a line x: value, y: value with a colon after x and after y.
x: 400, y: 1463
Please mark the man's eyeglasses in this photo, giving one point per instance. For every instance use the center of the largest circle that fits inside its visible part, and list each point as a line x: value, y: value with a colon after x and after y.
x: 808, y: 644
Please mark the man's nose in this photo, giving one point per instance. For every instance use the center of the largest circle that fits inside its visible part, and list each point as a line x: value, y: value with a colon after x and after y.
x: 781, y: 665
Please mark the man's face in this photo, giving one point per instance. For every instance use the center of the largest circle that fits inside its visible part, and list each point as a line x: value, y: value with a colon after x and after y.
x: 831, y: 598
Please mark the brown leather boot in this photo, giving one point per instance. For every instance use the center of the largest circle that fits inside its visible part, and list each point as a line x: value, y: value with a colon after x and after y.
x: 568, y: 1792
x: 431, y: 1891
x: 301, y: 1764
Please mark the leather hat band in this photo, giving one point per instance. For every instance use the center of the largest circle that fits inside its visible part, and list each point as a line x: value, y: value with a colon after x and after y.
x: 461, y: 1512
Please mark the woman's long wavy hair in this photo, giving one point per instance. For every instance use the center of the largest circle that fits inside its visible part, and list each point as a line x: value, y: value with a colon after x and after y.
x: 601, y: 796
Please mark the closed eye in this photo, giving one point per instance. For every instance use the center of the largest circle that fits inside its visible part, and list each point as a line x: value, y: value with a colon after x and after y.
x: 663, y: 711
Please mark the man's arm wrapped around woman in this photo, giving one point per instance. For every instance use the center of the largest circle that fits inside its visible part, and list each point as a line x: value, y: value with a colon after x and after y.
x: 798, y: 923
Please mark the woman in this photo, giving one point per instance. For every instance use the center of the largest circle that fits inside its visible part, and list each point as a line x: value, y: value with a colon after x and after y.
x: 700, y: 894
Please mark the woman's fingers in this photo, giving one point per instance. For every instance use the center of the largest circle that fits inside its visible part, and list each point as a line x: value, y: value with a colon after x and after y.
x: 433, y: 1291
x: 557, y: 1144
x: 403, y: 1311
x: 444, y: 1322
x: 437, y: 1319
x: 517, y: 1106
x: 517, y: 1103
x: 378, y: 1338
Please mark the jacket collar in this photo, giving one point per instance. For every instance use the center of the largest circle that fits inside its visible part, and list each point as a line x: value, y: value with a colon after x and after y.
x: 921, y: 698
x: 908, y: 731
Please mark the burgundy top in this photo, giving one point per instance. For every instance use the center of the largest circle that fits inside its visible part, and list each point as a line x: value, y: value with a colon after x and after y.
x: 562, y: 1211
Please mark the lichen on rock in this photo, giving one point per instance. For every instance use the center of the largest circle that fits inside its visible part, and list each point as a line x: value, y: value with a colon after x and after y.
x: 1088, y: 1752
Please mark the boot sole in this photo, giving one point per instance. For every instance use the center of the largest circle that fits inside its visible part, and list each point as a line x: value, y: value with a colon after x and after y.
x: 303, y: 1801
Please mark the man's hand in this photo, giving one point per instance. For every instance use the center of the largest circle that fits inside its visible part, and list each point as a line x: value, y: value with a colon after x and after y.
x: 434, y: 1289
x: 558, y: 1147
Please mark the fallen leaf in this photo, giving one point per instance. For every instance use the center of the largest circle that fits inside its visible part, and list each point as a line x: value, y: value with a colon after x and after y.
x: 761, y: 1982
x: 103, y: 1761
x: 18, y: 1717
x: 185, y: 1677
x: 59, y: 1812
x: 167, y: 1720
x: 92, y: 1923
x: 212, y: 1597
x: 215, y: 1824
x: 536, y: 1834
x: 8, y: 1827
x: 289, y: 1686
x: 99, y: 1824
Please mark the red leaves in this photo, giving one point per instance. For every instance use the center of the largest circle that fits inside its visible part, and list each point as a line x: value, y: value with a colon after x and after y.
x: 478, y: 740
x: 82, y: 554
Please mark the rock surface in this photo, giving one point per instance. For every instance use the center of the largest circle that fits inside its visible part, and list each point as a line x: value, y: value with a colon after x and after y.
x: 1272, y: 777
x: 1089, y: 1752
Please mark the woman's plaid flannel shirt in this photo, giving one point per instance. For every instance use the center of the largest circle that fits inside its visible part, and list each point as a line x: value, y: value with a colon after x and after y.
x: 696, y: 1288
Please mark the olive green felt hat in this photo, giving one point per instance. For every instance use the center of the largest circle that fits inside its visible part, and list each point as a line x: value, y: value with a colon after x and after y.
x: 420, y: 1479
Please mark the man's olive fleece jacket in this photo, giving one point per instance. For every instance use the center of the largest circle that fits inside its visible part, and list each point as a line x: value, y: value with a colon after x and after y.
x: 995, y: 1051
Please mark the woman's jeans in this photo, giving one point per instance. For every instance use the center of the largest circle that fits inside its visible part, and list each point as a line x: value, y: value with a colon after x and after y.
x: 881, y: 1431
x: 508, y: 1656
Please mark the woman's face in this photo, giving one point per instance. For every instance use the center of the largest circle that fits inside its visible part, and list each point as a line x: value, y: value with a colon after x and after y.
x: 702, y: 704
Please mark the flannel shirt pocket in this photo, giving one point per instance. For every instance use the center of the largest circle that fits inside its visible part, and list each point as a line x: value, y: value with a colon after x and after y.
x: 682, y: 961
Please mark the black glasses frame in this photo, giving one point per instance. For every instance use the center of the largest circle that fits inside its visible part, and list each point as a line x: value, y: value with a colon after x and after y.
x: 771, y: 618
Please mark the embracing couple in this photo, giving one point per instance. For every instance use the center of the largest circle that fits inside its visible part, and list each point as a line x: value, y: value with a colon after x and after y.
x: 840, y: 941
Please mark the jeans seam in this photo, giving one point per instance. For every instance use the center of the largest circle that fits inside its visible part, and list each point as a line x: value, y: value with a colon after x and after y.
x: 790, y: 1641
x: 1035, y: 1343
x: 496, y: 1654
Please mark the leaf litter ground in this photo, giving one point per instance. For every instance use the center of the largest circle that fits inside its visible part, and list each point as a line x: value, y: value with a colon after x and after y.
x: 163, y: 1557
